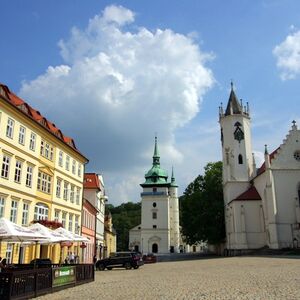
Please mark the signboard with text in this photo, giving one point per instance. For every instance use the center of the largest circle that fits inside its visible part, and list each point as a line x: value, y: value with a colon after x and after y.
x: 63, y: 276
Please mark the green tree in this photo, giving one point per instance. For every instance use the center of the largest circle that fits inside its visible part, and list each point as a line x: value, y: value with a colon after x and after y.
x: 124, y: 217
x: 202, y: 207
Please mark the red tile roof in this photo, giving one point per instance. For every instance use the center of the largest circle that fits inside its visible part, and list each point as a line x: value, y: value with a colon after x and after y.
x: 263, y: 166
x: 250, y: 194
x: 16, y: 101
x: 91, y: 181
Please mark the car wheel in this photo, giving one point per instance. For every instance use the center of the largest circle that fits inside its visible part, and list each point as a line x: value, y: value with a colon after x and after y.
x: 136, y: 267
x: 110, y: 268
x: 127, y: 266
x: 101, y: 267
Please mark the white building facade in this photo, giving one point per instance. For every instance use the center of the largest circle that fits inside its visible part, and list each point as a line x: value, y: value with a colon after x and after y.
x: 261, y: 205
x: 159, y: 228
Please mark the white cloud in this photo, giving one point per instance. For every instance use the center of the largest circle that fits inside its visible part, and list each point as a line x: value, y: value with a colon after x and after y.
x: 288, y: 56
x: 117, y: 88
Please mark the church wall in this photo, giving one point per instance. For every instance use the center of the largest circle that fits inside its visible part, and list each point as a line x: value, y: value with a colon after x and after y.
x: 160, y: 237
x: 134, y: 239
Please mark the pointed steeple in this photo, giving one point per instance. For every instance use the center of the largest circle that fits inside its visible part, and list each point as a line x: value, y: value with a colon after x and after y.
x: 156, y: 156
x: 233, y: 106
x: 173, y: 183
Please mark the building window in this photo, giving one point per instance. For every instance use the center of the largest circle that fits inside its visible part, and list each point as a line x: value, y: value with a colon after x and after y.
x: 154, y: 215
x: 13, y: 211
x: 66, y: 190
x: 2, y: 206
x: 154, y: 190
x: 77, y: 195
x: 41, y: 212
x: 63, y: 219
x: 72, y: 193
x: 60, y: 158
x: 154, y: 226
x: 70, y: 228
x: 5, y: 166
x: 25, y: 214
x: 77, y: 224
x: 44, y: 182
x: 10, y: 128
x: 29, y: 176
x: 56, y: 215
x: 240, y: 158
x: 18, y: 170
x: 154, y: 204
x: 32, y: 141
x: 46, y: 150
x: 79, y: 170
x: 68, y: 163
x: 8, y: 254
x: 22, y: 132
x: 74, y: 166
x: 58, y: 188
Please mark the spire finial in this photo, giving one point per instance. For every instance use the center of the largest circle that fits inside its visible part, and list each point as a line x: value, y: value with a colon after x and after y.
x: 294, y: 126
x: 156, y: 153
x: 231, y: 83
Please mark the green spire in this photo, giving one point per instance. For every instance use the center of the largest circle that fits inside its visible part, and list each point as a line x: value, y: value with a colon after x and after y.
x: 173, y: 183
x: 156, y: 156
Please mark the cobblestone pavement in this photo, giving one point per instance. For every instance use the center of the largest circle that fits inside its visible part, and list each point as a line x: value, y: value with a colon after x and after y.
x: 219, y: 278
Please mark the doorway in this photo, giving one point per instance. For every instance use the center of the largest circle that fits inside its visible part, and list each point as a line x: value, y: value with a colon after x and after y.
x: 136, y: 248
x: 154, y: 248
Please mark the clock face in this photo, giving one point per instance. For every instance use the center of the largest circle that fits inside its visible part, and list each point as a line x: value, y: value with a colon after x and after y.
x: 297, y: 155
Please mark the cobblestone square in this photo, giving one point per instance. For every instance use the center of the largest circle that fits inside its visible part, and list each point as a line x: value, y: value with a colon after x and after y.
x: 216, y: 278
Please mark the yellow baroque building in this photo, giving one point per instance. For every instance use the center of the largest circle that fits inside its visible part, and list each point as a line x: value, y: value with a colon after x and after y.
x: 41, y: 177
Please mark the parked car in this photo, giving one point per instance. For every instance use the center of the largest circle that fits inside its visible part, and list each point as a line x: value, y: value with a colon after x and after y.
x: 41, y: 262
x: 149, y: 258
x: 125, y: 260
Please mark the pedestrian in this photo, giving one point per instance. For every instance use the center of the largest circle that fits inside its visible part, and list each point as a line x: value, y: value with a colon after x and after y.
x: 2, y: 264
x: 71, y: 258
x: 94, y: 259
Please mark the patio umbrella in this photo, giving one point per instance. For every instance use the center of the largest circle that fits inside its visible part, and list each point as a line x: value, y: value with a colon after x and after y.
x: 11, y: 232
x: 73, y: 236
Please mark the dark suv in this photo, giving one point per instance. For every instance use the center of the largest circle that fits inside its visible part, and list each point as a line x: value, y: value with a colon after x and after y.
x: 125, y: 260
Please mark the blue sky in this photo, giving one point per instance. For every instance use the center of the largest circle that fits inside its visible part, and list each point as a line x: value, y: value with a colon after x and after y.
x: 133, y: 68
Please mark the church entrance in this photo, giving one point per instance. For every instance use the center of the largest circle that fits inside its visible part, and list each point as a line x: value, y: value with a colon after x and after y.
x: 154, y: 248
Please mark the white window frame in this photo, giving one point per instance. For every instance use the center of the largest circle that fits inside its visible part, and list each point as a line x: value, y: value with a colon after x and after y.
x: 68, y: 163
x: 41, y: 211
x: 64, y: 219
x: 60, y: 158
x: 72, y: 192
x: 13, y: 211
x: 18, y: 171
x: 29, y: 174
x: 66, y: 192
x: 44, y: 182
x: 22, y: 134
x: 78, y: 190
x: 5, y: 166
x: 79, y: 170
x: 58, y: 187
x: 76, y: 224
x: 74, y: 166
x: 25, y: 214
x: 70, y: 226
x: 56, y: 215
x: 32, y: 142
x: 8, y: 253
x: 10, y: 128
x: 2, y: 206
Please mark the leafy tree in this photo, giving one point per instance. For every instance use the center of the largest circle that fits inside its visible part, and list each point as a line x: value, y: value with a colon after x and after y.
x: 202, y: 207
x: 124, y: 217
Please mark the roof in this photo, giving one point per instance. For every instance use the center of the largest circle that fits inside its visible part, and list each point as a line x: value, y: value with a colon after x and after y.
x: 233, y: 106
x: 91, y: 181
x: 263, y: 166
x: 250, y: 194
x: 36, y: 116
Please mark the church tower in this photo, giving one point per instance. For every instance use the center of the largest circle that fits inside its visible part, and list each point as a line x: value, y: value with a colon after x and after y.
x: 160, y: 214
x: 238, y: 161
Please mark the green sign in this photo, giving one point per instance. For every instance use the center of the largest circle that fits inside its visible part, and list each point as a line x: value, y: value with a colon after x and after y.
x: 63, y: 275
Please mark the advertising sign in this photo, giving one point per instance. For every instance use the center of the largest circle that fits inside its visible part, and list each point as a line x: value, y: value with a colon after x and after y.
x: 63, y: 275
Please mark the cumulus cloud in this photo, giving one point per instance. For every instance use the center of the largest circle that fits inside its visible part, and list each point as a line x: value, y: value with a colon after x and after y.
x: 288, y: 56
x: 117, y: 87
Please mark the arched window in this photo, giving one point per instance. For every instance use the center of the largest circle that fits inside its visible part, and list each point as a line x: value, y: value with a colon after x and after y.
x: 240, y: 159
x: 41, y: 211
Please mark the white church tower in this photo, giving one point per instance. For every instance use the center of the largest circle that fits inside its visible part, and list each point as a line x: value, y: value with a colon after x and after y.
x: 238, y: 161
x: 159, y: 228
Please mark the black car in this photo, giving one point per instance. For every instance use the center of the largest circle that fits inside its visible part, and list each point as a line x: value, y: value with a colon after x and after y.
x: 125, y: 260
x: 41, y: 262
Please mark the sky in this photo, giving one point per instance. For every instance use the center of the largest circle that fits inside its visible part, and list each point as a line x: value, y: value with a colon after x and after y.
x: 112, y: 75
